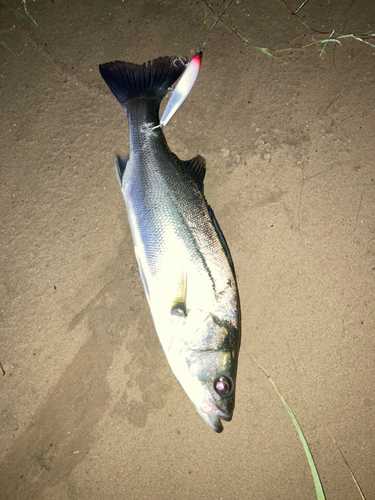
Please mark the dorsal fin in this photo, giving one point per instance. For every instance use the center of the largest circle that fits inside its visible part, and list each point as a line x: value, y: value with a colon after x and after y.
x: 197, y: 169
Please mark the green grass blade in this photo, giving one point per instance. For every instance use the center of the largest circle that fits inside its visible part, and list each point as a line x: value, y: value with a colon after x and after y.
x: 317, y: 483
x: 205, y: 13
x: 265, y: 51
x: 236, y: 32
x: 300, y: 7
x: 3, y: 44
x: 285, y: 5
x: 359, y: 40
x: 367, y: 33
x: 303, y: 23
x: 28, y: 14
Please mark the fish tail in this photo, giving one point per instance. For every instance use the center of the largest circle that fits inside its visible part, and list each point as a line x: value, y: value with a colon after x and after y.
x: 151, y: 80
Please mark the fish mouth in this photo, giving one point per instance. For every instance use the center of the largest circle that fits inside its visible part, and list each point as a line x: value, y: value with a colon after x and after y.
x: 213, y: 415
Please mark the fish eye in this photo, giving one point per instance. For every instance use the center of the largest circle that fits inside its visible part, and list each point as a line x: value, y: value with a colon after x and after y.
x: 223, y: 385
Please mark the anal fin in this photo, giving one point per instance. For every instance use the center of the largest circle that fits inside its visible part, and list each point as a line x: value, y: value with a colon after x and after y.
x: 221, y: 237
x: 142, y: 274
x: 120, y: 166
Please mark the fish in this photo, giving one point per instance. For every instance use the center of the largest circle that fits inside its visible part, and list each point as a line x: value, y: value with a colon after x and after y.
x: 184, y: 261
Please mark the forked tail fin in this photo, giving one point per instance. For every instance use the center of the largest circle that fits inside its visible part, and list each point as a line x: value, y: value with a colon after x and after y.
x: 151, y: 80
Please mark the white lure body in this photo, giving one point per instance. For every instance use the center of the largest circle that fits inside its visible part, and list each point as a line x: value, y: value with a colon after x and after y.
x: 182, y: 89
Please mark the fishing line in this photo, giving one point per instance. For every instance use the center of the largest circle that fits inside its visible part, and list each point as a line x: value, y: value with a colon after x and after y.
x: 188, y: 78
x: 215, y: 23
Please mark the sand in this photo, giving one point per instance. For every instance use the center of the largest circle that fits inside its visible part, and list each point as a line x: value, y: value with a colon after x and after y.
x: 89, y: 406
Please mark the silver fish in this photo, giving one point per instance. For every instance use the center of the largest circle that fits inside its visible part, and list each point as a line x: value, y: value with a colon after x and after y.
x: 183, y: 258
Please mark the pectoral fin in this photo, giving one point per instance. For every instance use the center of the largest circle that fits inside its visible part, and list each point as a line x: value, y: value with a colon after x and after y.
x: 179, y: 304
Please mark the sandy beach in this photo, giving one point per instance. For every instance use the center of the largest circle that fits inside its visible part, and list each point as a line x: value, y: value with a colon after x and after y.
x: 89, y: 406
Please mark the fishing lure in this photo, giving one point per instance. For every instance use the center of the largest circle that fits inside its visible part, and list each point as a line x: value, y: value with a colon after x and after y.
x: 187, y: 80
x: 183, y: 87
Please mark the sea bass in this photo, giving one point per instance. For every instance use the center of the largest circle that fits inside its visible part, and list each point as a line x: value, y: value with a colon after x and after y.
x: 183, y: 258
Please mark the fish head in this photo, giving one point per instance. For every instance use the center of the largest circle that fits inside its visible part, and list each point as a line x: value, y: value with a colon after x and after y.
x: 215, y: 373
x: 217, y: 405
x: 210, y: 349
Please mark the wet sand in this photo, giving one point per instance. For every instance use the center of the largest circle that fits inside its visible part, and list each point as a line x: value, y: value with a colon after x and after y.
x: 89, y: 406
